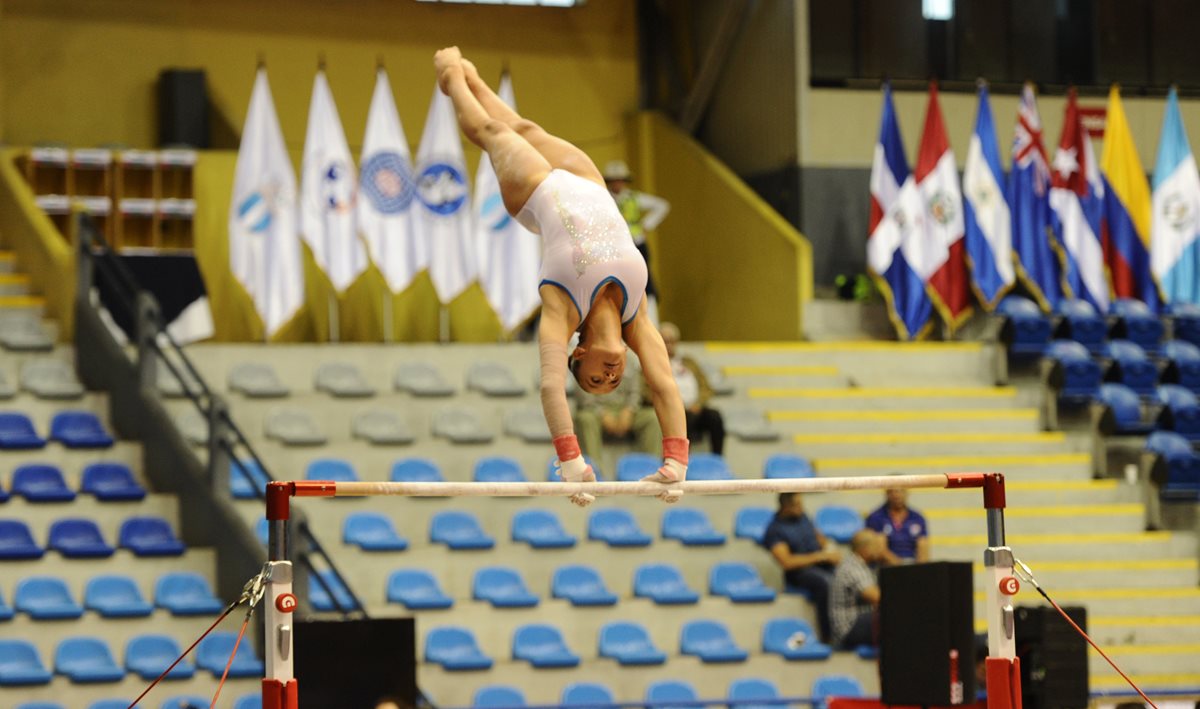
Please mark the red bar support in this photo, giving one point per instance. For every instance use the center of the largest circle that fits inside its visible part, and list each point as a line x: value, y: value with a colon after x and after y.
x: 1003, y: 683
x: 315, y: 488
x: 956, y: 481
x: 993, y: 491
x: 277, y: 695
x: 279, y: 500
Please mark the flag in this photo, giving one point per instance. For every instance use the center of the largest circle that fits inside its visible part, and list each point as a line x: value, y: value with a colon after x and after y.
x: 938, y: 254
x: 1174, y: 225
x: 1077, y: 210
x: 896, y: 212
x: 1126, y: 225
x: 1037, y: 253
x: 444, y: 220
x: 987, y: 220
x: 387, y: 191
x: 328, y: 188
x: 509, y: 254
x: 264, y: 249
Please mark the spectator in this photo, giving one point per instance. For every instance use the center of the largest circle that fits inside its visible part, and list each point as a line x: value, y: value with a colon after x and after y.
x: 905, y: 529
x: 643, y: 212
x: 617, y: 415
x: 695, y: 391
x: 854, y: 592
x: 805, y: 555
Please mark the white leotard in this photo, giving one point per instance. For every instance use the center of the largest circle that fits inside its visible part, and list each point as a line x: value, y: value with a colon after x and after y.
x: 585, y: 242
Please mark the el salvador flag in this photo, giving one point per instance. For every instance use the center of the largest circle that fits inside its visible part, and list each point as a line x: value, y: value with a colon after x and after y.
x: 1175, y: 221
x: 988, y: 221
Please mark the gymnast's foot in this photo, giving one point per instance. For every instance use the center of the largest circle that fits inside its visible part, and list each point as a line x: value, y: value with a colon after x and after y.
x: 445, y: 62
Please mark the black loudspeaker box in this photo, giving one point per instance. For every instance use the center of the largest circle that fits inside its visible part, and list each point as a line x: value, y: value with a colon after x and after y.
x: 351, y: 664
x: 182, y: 108
x: 1054, y: 658
x: 927, y: 634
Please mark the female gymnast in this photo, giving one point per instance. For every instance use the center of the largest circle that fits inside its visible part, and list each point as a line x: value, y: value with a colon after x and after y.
x: 593, y: 280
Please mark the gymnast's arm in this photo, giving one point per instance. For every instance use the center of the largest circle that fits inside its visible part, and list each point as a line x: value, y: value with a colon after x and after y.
x: 553, y: 334
x: 790, y: 562
x: 645, y: 341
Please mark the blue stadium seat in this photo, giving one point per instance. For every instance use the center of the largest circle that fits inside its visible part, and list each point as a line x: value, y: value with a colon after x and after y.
x: 589, y: 694
x: 829, y: 686
x: 247, y: 479
x: 187, y: 701
x: 794, y: 639
x: 149, y: 655
x: 1075, y: 375
x: 79, y: 429
x: 322, y: 595
x: 38, y: 482
x: 214, y: 651
x: 710, y: 641
x: 582, y: 586
x: 331, y: 469
x: 110, y: 704
x: 248, y: 701
x: 498, y: 696
x: 111, y: 482
x: 1025, y: 331
x: 690, y: 526
x: 372, y: 531
x: 552, y: 469
x: 1083, y: 324
x: 753, y: 693
x: 417, y: 589
x: 45, y: 598
x: 262, y: 530
x: 838, y: 522
x: 499, y: 469
x: 629, y: 644
x: 87, y: 659
x: 1183, y: 364
x: 186, y: 593
x: 40, y: 705
x: 616, y: 527
x: 1180, y: 480
x: 6, y: 611
x: 458, y: 530
x: 1180, y: 411
x: 3, y: 494
x: 502, y: 587
x: 16, y: 541
x: 1122, y: 411
x: 751, y: 523
x: 78, y: 538
x: 150, y: 536
x: 1185, y: 322
x: 416, y: 470
x: 17, y: 432
x: 708, y: 466
x: 787, y: 465
x: 115, y: 597
x: 632, y: 467
x: 663, y: 584
x: 455, y: 648
x: 541, y: 529
x: 542, y: 646
x: 670, y: 693
x: 739, y: 582
x: 20, y: 664
x: 1132, y: 367
x: 1137, y: 323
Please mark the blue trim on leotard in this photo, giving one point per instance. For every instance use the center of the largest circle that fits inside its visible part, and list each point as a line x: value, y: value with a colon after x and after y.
x: 578, y: 310
x: 624, y: 295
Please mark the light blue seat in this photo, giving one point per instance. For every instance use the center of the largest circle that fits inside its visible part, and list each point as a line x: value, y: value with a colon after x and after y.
x: 829, y: 686
x: 499, y: 469
x: 79, y: 429
x: 663, y: 584
x: 333, y: 469
x: 111, y: 482
x: 455, y: 649
x: 617, y: 528
x: 328, y: 593
x: 542, y: 646
x: 670, y: 693
x: 838, y: 522
x: 541, y: 529
x: 40, y: 705
x: 86, y: 659
x: 1182, y: 466
x: 187, y: 701
x: 16, y: 541
x: 710, y: 641
x: 262, y: 530
x: 110, y: 704
x: 78, y: 539
x: 629, y: 644
x: 739, y: 582
x: 690, y: 526
x: 416, y: 470
x: 372, y: 531
x: 754, y: 693
x: 40, y: 482
x: 498, y: 696
x: 794, y: 639
x: 149, y: 655
x: 751, y: 523
x: 1083, y: 324
x: 20, y: 664
x: 214, y: 651
x: 458, y: 530
x: 1025, y: 331
x: 708, y: 466
x: 582, y: 586
x: 416, y: 589
x: 115, y: 597
x: 150, y: 536
x: 186, y: 593
x: 632, y: 467
x: 45, y: 598
x: 502, y: 587
x: 248, y: 701
x: 247, y: 479
x: 6, y: 611
x: 787, y: 465
x: 587, y: 694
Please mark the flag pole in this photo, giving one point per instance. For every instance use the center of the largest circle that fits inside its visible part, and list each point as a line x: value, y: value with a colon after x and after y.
x: 388, y: 326
x: 443, y: 323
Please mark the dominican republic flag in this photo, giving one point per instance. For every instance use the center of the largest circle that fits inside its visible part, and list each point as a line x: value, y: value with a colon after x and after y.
x: 939, y: 258
x: 986, y: 216
x: 1077, y: 210
x: 1038, y: 263
x: 896, y: 214
x: 1175, y: 222
x: 1126, y: 227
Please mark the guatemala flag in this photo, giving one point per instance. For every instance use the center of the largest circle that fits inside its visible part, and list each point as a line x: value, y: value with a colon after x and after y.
x: 1039, y: 265
x: 1174, y: 228
x: 1077, y: 207
x: 986, y: 216
x: 896, y: 215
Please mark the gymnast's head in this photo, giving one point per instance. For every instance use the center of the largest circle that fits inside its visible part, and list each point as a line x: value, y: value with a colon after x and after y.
x: 597, y: 363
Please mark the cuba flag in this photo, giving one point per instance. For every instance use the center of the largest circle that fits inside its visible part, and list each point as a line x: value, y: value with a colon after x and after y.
x: 1126, y: 211
x: 1038, y: 264
x: 1077, y: 209
x: 988, y: 223
x: 897, y: 213
x: 1175, y: 221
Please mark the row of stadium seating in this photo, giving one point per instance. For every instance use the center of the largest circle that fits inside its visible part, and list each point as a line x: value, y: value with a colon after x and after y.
x: 73, y: 429
x: 42, y: 482
x: 184, y: 701
x: 77, y: 538
x: 1027, y: 331
x: 182, y: 593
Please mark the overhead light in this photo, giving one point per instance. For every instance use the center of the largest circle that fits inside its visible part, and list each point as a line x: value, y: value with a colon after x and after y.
x: 937, y: 9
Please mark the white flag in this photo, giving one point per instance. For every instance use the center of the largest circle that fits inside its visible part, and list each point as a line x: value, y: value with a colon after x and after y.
x: 387, y: 192
x: 264, y: 251
x: 509, y: 254
x: 444, y: 220
x: 328, y: 187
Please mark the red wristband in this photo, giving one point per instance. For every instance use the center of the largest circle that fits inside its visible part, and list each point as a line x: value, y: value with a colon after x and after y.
x: 567, y: 447
x: 676, y: 447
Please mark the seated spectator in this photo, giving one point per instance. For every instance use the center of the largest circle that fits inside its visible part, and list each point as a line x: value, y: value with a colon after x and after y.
x: 805, y: 555
x: 618, y: 415
x: 854, y: 592
x: 695, y: 391
x: 905, y: 529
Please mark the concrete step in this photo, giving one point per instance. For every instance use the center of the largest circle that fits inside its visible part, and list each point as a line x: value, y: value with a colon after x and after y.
x: 61, y: 690
x: 978, y: 442
x: 27, y: 304
x: 909, y: 420
x: 1146, y: 659
x: 41, y: 411
x: 1138, y: 629
x: 890, y: 398
x: 1015, y: 466
x: 144, y: 570
x: 8, y: 261
x: 1154, y: 682
x: 12, y: 284
x: 1077, y: 546
x: 1166, y: 601
x: 73, y: 460
x: 72, y: 468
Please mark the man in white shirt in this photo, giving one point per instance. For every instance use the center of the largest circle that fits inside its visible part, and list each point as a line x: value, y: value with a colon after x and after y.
x: 695, y: 391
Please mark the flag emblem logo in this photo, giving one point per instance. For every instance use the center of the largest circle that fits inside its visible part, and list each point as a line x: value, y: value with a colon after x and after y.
x: 337, y: 191
x: 941, y: 207
x: 387, y: 183
x: 1178, y: 211
x: 442, y: 188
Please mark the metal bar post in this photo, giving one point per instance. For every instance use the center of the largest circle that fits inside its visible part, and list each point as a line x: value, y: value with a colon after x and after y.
x: 279, y: 688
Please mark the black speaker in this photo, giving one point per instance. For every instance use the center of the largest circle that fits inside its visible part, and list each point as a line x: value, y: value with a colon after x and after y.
x: 350, y: 664
x: 1054, y: 658
x: 927, y: 634
x: 182, y: 108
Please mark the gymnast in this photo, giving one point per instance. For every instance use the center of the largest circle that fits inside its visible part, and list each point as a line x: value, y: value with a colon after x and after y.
x: 592, y: 280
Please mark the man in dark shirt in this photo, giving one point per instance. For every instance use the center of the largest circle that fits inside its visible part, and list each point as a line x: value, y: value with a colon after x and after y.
x: 906, y: 531
x: 801, y: 551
